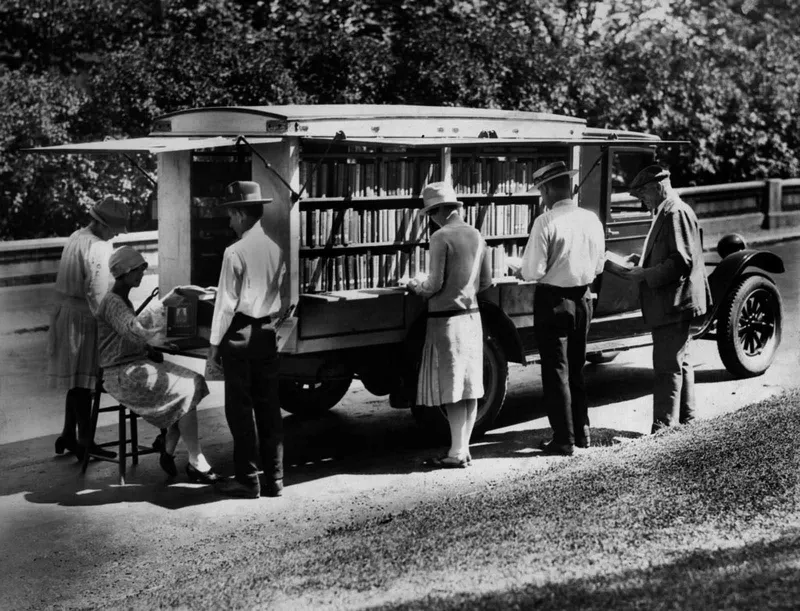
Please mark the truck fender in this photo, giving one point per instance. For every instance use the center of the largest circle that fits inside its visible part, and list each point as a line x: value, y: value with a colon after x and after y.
x: 730, y: 270
x: 492, y: 317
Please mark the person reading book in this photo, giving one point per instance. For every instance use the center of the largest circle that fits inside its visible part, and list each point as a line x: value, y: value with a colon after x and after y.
x: 164, y: 394
x: 563, y: 255
x: 243, y: 341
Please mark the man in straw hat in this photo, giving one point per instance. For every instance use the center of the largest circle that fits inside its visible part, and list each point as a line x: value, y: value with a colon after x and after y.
x: 451, y: 372
x: 82, y: 281
x: 673, y: 290
x: 564, y: 254
x: 243, y: 341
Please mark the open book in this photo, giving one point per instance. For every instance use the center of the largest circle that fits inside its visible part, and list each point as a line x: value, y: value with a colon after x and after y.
x: 176, y: 295
x: 617, y: 264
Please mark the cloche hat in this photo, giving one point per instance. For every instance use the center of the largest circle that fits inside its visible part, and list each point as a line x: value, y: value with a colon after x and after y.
x: 551, y: 171
x: 112, y: 212
x: 125, y: 259
x: 438, y: 194
x: 244, y: 193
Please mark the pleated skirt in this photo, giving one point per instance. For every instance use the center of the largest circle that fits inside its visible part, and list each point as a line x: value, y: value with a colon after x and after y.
x: 72, y: 347
x: 452, y: 361
x: 161, y: 393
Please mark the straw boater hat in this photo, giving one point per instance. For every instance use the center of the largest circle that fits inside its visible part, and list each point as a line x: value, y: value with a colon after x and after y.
x: 551, y: 171
x: 438, y: 194
x: 111, y: 212
x: 244, y: 193
x: 652, y: 173
x: 125, y: 259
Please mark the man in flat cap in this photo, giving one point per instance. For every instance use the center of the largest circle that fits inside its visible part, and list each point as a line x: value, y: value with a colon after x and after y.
x: 564, y: 254
x: 243, y: 340
x: 673, y: 290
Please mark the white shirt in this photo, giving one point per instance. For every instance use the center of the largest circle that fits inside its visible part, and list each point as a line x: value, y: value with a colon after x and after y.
x: 566, y: 247
x: 250, y: 281
x: 650, y: 232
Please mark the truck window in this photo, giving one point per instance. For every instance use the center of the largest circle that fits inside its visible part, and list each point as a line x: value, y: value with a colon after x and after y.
x: 625, y: 165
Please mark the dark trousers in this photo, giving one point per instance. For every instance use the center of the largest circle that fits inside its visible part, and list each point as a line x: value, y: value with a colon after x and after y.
x: 673, y: 375
x: 561, y: 320
x: 252, y: 408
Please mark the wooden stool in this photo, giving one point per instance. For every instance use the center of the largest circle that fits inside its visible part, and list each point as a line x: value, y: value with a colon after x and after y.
x: 122, y: 441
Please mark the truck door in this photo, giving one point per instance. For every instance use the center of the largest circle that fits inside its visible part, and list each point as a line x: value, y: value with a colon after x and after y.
x: 626, y: 222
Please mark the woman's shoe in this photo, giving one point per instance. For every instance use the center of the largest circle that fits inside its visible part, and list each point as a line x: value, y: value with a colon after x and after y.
x: 61, y: 445
x: 204, y: 477
x: 167, y: 462
x: 447, y: 462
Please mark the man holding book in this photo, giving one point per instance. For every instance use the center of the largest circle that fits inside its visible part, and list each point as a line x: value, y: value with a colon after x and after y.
x: 243, y: 341
x: 673, y: 290
x: 564, y: 254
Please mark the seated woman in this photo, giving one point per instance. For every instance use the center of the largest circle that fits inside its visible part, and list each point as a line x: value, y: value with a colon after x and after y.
x: 162, y: 393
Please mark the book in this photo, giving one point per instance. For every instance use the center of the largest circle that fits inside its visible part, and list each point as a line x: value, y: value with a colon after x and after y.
x: 617, y: 264
x: 177, y: 295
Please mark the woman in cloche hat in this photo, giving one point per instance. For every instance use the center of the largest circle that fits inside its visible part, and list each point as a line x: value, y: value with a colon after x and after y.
x: 451, y: 372
x: 162, y: 393
x: 82, y: 281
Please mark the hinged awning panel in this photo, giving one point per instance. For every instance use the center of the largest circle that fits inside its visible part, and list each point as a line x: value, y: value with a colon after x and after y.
x: 491, y: 142
x: 145, y: 145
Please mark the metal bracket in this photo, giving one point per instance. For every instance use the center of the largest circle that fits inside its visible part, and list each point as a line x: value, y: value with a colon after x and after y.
x: 337, y: 138
x: 243, y: 140
x: 135, y: 165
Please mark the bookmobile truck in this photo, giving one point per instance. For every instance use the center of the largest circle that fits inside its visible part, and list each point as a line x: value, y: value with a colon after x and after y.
x: 346, y: 181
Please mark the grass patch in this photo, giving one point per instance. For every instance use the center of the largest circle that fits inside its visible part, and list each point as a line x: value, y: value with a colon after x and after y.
x: 704, y: 516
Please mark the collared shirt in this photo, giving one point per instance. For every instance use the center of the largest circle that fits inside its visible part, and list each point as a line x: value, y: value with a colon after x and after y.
x: 250, y: 281
x: 566, y: 247
x: 650, y: 231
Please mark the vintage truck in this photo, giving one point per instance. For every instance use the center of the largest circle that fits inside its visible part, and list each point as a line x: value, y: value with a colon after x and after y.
x: 346, y: 180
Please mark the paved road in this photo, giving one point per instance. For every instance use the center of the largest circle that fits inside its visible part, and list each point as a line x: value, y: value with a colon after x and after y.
x: 71, y: 540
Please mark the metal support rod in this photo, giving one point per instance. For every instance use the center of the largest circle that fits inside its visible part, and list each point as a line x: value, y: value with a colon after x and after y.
x: 339, y: 136
x: 243, y: 140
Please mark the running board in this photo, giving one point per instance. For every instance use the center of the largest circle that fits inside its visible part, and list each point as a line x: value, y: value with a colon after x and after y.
x: 611, y: 345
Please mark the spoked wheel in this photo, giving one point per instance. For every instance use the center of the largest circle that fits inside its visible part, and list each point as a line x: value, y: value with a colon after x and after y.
x: 749, y: 326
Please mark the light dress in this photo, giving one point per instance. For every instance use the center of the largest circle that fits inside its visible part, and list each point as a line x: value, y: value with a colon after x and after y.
x: 161, y: 393
x: 83, y: 279
x: 452, y: 357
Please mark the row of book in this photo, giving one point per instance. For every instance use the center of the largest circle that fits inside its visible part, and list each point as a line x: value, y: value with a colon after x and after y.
x: 371, y: 270
x: 368, y: 177
x: 346, y: 226
x: 405, y: 177
x: 506, y: 175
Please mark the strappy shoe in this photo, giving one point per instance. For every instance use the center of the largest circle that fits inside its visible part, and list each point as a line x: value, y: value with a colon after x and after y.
x: 204, y: 477
x: 447, y: 462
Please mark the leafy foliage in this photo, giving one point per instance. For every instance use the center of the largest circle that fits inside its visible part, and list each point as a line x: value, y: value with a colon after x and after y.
x: 719, y: 73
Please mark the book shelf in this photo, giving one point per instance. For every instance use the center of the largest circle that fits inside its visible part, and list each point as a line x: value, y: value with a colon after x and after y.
x: 210, y: 229
x: 361, y: 224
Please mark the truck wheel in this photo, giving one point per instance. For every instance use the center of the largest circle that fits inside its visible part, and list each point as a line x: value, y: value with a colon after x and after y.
x: 495, y: 386
x: 599, y: 358
x: 749, y: 326
x: 311, y: 398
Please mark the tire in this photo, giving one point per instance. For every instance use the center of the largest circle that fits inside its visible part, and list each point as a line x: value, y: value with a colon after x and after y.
x: 495, y: 384
x: 311, y: 399
x: 749, y: 326
x: 600, y: 358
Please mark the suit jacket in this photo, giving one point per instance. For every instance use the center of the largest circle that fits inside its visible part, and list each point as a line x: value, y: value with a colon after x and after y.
x: 675, y: 286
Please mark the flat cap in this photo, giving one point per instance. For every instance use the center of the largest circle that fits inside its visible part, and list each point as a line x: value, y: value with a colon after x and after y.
x: 652, y: 173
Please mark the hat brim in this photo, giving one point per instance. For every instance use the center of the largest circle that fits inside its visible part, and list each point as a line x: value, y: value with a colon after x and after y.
x: 430, y: 207
x: 537, y: 185
x: 120, y: 228
x: 245, y: 202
